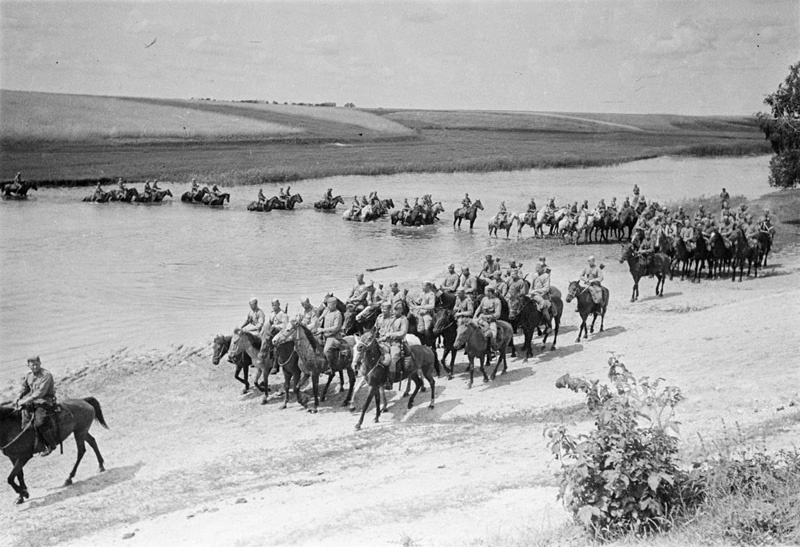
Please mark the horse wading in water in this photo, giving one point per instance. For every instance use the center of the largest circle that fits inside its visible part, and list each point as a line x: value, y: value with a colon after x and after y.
x: 18, y: 443
x: 470, y: 214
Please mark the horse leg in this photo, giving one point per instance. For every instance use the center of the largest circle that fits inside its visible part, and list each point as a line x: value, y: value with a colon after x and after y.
x: 315, y: 390
x: 580, y: 331
x: 331, y: 375
x: 80, y: 442
x: 244, y: 380
x: 527, y: 343
x: 299, y: 379
x: 471, y: 367
x: 341, y: 381
x: 417, y: 385
x: 351, y: 376
x: 408, y: 387
x: 17, y: 479
x: 557, y: 325
x: 93, y: 444
x: 372, y: 394
x: 361, y: 381
x: 485, y: 364
x: 594, y: 319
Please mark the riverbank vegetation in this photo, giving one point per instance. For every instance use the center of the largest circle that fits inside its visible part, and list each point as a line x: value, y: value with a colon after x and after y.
x: 64, y: 139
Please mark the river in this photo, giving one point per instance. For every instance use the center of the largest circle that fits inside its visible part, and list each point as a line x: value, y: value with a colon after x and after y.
x: 79, y: 279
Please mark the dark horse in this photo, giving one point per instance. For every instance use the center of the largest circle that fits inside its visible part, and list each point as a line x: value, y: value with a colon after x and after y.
x: 220, y: 347
x: 742, y: 251
x: 470, y: 214
x: 659, y: 267
x: 288, y: 360
x: 212, y: 200
x: 376, y: 373
x: 720, y: 255
x: 283, y: 204
x: 445, y: 327
x: 196, y: 197
x: 530, y: 318
x: 682, y: 257
x: 18, y: 444
x: 328, y: 204
x: 470, y: 336
x: 586, y: 305
x: 627, y: 219
x: 19, y: 193
x: 764, y: 239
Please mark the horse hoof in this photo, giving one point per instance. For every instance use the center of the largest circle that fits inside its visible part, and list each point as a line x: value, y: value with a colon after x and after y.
x: 24, y: 494
x: 245, y: 390
x: 376, y: 421
x: 430, y: 406
x: 19, y: 501
x: 578, y: 340
x: 469, y: 386
x: 312, y: 410
x: 264, y: 401
x: 358, y: 427
x: 486, y: 380
x: 68, y: 482
x: 553, y: 348
x: 493, y: 377
x: 405, y: 395
x: 322, y: 399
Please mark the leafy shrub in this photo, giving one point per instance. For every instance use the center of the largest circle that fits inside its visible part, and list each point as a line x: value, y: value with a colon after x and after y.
x: 622, y: 477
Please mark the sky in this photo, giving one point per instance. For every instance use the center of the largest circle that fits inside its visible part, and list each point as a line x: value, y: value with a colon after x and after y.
x: 693, y: 57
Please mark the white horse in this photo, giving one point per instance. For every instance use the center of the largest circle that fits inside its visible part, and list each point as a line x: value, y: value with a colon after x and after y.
x: 496, y: 224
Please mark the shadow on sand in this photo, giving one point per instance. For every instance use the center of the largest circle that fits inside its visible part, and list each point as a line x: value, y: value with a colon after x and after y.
x: 665, y: 295
x: 93, y: 484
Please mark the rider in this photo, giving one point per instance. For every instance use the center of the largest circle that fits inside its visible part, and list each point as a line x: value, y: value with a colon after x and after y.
x: 500, y: 287
x: 261, y: 197
x: 331, y: 330
x: 98, y: 191
x: 450, y: 283
x: 424, y: 309
x: 155, y: 186
x: 502, y: 213
x: 37, y: 398
x: 490, y: 266
x: 121, y: 186
x: 328, y: 197
x: 540, y: 291
x: 613, y: 205
x: 393, y: 333
x: 360, y: 295
x: 592, y: 277
x: 463, y: 309
x: 309, y: 317
x: 468, y: 282
x: 765, y: 224
x: 627, y: 203
x: 687, y: 235
x: 726, y: 231
x: 355, y: 207
x: 215, y: 191
x: 282, y: 195
x: 16, y: 185
x: 255, y: 318
x: 466, y: 203
x: 646, y: 251
x: 532, y: 206
x: 551, y: 206
x: 516, y: 289
x: 724, y: 198
x: 601, y: 206
x: 487, y: 314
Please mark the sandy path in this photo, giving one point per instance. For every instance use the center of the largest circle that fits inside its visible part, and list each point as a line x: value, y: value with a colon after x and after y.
x: 192, y: 462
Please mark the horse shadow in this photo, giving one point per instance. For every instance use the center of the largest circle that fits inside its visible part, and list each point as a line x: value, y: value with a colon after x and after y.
x: 663, y: 296
x: 422, y: 414
x: 613, y: 331
x: 559, y: 353
x: 93, y: 484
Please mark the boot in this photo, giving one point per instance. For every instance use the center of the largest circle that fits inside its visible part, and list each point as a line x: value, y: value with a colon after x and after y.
x: 49, y: 442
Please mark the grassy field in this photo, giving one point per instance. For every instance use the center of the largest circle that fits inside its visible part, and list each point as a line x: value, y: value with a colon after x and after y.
x: 66, y: 139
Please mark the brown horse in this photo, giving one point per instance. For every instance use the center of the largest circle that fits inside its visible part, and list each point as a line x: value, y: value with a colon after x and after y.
x: 18, y: 443
x: 287, y: 359
x: 586, y: 305
x: 470, y: 214
x: 376, y: 373
x: 742, y: 251
x: 445, y: 327
x: 659, y: 267
x: 283, y: 204
x: 220, y: 347
x: 530, y: 319
x: 328, y: 205
x: 245, y: 343
x: 213, y: 201
x: 471, y: 336
x: 313, y: 362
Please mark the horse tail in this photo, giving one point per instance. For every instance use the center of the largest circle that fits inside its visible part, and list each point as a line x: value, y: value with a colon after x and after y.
x: 98, y: 412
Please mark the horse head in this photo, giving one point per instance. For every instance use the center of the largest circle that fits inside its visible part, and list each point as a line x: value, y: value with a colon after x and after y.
x: 464, y: 333
x: 220, y: 347
x: 289, y: 333
x: 627, y: 252
x: 477, y: 205
x: 297, y: 198
x: 572, y: 290
x: 442, y: 319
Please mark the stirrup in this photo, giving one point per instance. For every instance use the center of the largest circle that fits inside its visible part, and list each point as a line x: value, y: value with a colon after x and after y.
x: 47, y: 451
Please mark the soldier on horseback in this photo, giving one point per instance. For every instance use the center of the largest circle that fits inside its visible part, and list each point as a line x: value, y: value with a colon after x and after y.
x: 450, y: 283
x: 466, y: 203
x: 765, y: 224
x: 613, y: 205
x: 532, y: 206
x: 15, y: 186
x: 601, y: 206
x: 309, y: 316
x: 37, y: 399
x: 424, y: 308
x: 502, y: 214
x: 392, y: 330
x: 592, y: 278
x: 724, y: 197
x: 468, y: 282
x: 487, y: 313
x: 98, y: 191
x: 328, y: 196
x: 255, y: 318
x: 360, y: 295
x: 540, y: 291
x: 516, y: 289
x: 463, y: 308
x: 262, y: 199
x: 490, y: 266
x: 331, y: 330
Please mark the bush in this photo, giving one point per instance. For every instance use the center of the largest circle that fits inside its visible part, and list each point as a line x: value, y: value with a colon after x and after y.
x: 623, y: 477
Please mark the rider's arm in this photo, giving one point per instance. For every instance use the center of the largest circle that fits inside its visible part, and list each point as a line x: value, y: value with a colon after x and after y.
x: 402, y: 329
x: 39, y: 390
x: 336, y: 327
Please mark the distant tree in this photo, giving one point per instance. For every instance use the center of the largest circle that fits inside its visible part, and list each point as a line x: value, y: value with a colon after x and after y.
x: 782, y: 129
x: 349, y: 105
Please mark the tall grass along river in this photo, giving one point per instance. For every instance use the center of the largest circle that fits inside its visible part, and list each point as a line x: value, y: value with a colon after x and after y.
x: 81, y: 279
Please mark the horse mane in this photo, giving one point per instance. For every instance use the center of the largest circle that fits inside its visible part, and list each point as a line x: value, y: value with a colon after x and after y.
x: 311, y: 338
x: 254, y: 339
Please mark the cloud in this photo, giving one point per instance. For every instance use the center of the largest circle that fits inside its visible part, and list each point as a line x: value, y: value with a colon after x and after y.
x: 687, y: 37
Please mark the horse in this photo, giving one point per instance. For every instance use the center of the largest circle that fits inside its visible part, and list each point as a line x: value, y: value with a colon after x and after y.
x: 660, y: 267
x: 603, y: 223
x: 328, y: 204
x: 743, y: 251
x: 21, y: 192
x: 18, y: 444
x: 529, y: 219
x: 495, y: 224
x: 286, y: 204
x: 313, y: 362
x: 376, y: 373
x: 196, y: 197
x: 470, y: 214
x: 566, y: 227
x: 287, y: 359
x: 720, y: 255
x: 627, y: 219
x: 104, y: 197
x: 701, y: 256
x: 470, y: 336
x: 445, y: 327
x: 247, y: 343
x: 350, y: 323
x: 155, y: 197
x: 586, y: 305
x: 682, y: 256
x: 220, y: 347
x: 125, y: 196
x: 213, y: 201
x: 531, y: 318
x: 764, y: 239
